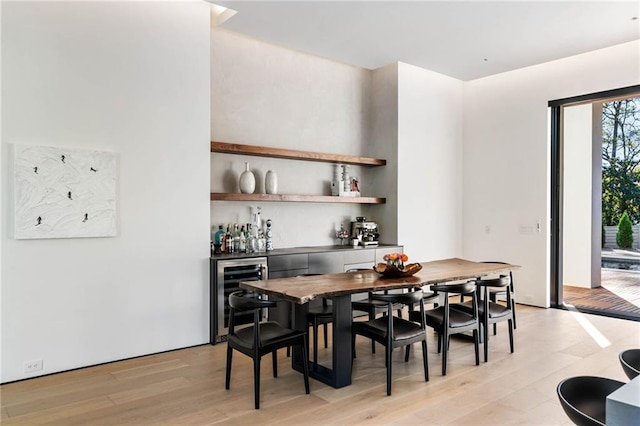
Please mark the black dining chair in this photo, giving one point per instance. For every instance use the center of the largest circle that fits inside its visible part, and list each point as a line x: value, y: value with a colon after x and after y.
x: 372, y: 306
x: 260, y: 339
x: 584, y: 398
x: 496, y: 294
x: 392, y: 332
x: 447, y: 321
x: 491, y: 312
x: 319, y: 315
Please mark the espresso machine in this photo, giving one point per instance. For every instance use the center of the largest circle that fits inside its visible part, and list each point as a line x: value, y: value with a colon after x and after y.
x: 366, y: 232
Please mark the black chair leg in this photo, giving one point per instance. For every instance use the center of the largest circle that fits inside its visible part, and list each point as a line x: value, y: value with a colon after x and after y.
x: 511, y: 327
x: 476, y: 346
x: 425, y: 361
x: 388, y: 358
x: 274, y: 358
x: 486, y: 341
x: 406, y: 353
x: 228, y: 375
x: 372, y: 316
x: 315, y: 344
x: 256, y: 381
x: 305, y: 364
x: 326, y: 336
x: 445, y: 350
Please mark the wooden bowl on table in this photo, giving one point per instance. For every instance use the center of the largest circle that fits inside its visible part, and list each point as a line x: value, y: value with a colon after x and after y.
x: 391, y: 271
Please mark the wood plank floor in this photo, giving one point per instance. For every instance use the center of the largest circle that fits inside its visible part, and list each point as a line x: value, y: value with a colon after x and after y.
x: 186, y: 387
x: 619, y: 294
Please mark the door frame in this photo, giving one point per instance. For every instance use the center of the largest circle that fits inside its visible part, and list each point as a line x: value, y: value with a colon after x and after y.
x: 556, y: 169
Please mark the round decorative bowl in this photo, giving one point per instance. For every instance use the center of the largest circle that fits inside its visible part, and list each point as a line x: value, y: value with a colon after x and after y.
x: 391, y: 271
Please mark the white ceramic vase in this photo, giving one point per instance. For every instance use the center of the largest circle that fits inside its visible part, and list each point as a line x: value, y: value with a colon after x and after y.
x: 271, y: 182
x: 247, y: 181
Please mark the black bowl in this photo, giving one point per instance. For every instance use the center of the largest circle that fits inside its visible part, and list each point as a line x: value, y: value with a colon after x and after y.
x: 630, y: 361
x: 584, y: 398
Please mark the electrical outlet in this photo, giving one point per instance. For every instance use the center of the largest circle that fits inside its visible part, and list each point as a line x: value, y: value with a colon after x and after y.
x: 32, y: 366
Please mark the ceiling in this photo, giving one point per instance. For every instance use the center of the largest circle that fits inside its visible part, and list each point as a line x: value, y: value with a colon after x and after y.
x: 465, y: 40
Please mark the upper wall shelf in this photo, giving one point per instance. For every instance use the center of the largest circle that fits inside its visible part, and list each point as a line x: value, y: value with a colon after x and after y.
x: 220, y: 196
x: 291, y: 154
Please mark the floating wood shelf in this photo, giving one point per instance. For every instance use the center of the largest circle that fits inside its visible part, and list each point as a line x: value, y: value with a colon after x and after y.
x: 261, y: 151
x: 223, y: 196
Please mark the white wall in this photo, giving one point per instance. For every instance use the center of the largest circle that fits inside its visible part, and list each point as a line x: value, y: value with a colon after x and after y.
x: 131, y: 78
x: 506, y: 142
x: 429, y: 163
x: 580, y: 162
x: 266, y: 95
x: 384, y: 134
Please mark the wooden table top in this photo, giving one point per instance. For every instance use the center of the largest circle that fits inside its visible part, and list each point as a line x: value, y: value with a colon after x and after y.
x: 304, y: 289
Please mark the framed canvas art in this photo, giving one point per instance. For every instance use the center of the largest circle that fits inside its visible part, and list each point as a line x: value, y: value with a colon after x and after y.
x: 64, y: 192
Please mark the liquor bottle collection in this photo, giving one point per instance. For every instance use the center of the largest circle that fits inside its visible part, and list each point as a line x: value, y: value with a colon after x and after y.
x: 249, y: 238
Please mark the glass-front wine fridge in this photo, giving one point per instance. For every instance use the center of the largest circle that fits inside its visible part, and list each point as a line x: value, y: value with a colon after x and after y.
x: 226, y: 276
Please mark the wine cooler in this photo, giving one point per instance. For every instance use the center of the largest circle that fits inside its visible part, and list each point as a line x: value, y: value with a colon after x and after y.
x: 226, y: 276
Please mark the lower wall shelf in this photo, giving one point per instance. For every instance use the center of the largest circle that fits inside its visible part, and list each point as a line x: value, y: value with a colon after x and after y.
x: 222, y: 196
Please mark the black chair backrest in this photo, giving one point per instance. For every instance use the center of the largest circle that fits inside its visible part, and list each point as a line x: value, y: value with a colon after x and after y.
x: 462, y: 288
x: 405, y: 298
x: 510, y: 276
x: 242, y: 301
x: 503, y: 281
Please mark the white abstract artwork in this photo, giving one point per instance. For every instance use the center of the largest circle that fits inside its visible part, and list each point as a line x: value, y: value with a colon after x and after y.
x: 64, y: 193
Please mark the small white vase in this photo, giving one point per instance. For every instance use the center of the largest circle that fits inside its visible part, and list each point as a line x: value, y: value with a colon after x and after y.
x: 271, y: 182
x: 247, y: 181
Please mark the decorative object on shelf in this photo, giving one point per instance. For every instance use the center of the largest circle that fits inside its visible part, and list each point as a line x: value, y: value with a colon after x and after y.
x: 247, y: 180
x: 271, y: 182
x: 339, y: 160
x: 395, y: 266
x: 336, y: 183
x: 342, y: 184
x: 269, y: 234
x: 346, y: 180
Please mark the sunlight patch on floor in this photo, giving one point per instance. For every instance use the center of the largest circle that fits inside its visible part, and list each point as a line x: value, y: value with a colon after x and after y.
x: 591, y: 329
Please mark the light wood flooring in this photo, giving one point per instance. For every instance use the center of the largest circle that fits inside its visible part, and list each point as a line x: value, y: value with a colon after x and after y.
x: 186, y: 387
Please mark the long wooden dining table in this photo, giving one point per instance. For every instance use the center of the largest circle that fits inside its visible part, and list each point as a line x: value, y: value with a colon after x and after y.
x: 340, y: 286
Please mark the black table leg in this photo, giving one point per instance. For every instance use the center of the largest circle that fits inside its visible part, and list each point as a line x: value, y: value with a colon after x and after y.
x: 340, y: 374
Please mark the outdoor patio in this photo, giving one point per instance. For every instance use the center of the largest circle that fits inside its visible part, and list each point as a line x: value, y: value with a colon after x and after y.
x: 619, y: 295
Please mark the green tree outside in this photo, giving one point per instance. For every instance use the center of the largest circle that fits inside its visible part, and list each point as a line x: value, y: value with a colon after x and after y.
x: 624, y: 236
x: 621, y: 161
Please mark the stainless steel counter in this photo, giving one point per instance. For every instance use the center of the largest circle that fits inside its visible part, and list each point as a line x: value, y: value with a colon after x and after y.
x: 298, y: 250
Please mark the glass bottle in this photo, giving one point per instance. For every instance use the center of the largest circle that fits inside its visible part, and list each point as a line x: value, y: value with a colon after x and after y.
x: 218, y: 240
x: 236, y: 238
x: 229, y: 237
x: 242, y: 247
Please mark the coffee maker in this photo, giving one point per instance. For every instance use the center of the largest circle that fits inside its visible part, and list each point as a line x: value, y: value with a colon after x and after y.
x: 366, y: 232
